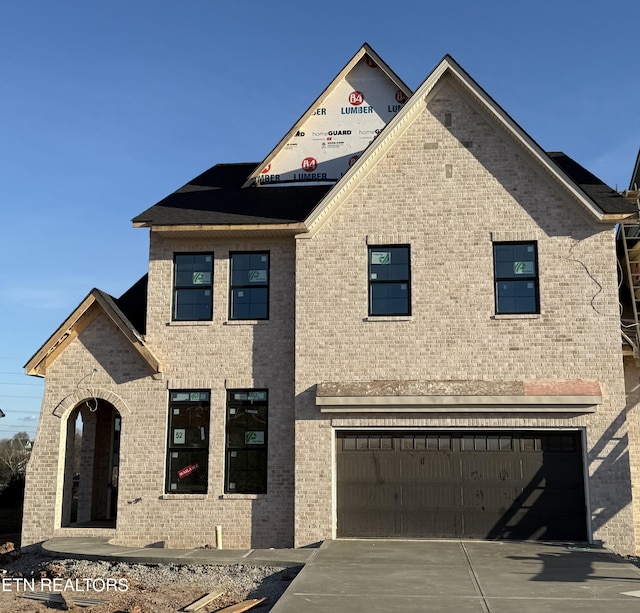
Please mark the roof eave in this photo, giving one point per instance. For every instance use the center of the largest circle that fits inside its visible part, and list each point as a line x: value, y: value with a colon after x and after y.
x: 79, y: 319
x: 227, y: 230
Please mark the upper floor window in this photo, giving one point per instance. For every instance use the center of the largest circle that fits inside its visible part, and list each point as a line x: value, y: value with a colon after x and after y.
x: 249, y: 285
x: 188, y: 442
x: 389, y: 280
x: 516, y: 277
x: 193, y: 286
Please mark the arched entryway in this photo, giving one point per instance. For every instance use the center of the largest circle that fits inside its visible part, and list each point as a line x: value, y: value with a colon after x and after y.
x: 92, y: 459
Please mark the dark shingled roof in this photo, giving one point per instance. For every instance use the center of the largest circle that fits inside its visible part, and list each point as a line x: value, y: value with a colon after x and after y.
x: 216, y: 197
x: 606, y: 198
x: 133, y: 304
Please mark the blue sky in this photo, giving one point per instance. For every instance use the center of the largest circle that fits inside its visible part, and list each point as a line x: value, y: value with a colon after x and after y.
x: 109, y: 106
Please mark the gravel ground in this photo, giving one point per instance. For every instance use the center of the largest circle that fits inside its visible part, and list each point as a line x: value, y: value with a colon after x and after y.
x: 150, y: 588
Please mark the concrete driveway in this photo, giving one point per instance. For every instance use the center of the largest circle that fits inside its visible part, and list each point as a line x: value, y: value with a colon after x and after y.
x: 468, y: 576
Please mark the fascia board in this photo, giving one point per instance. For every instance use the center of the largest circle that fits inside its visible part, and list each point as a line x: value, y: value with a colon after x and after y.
x: 525, y: 140
x: 31, y: 367
x: 35, y: 364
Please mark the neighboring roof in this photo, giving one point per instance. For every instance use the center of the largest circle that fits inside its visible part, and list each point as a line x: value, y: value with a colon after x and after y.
x: 216, y: 198
x: 607, y: 199
x: 617, y: 209
x: 95, y: 303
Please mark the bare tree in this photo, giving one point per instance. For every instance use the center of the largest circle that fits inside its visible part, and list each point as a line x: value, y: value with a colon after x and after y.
x: 14, y: 454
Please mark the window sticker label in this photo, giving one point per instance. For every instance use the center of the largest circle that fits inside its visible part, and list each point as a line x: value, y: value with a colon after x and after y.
x: 257, y: 276
x: 257, y: 396
x: 381, y: 257
x: 179, y: 436
x: 187, y: 470
x: 523, y: 268
x: 201, y: 278
x: 198, y: 396
x: 253, y: 438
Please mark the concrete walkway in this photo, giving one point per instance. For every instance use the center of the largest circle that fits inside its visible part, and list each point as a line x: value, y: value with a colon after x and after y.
x: 92, y: 548
x: 381, y: 576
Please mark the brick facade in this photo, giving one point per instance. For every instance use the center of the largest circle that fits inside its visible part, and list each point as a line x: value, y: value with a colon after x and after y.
x: 495, y: 192
x: 453, y: 182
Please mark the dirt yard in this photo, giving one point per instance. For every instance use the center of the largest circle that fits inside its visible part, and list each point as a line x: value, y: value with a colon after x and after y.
x: 133, y: 588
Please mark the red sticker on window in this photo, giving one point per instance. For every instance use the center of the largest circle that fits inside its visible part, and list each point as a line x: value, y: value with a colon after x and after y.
x: 187, y: 470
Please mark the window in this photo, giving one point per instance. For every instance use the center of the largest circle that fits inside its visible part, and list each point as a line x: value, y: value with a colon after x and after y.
x: 389, y: 280
x: 516, y: 278
x: 249, y: 286
x: 188, y: 442
x: 246, y: 469
x: 193, y: 286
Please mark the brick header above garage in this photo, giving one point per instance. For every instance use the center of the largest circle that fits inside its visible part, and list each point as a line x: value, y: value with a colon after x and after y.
x: 573, y: 396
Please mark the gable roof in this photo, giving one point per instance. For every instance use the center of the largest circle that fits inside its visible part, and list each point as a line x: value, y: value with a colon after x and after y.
x: 224, y: 199
x: 95, y: 303
x: 335, y: 135
x: 604, y: 207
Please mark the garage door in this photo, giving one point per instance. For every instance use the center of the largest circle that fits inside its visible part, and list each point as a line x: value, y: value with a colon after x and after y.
x: 490, y: 485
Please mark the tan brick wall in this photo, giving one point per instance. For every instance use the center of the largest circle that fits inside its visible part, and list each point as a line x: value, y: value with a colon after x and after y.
x: 495, y: 192
x: 632, y: 383
x: 447, y: 191
x: 217, y: 355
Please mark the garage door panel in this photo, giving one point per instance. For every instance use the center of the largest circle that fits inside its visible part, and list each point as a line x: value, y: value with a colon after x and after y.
x: 358, y: 495
x: 431, y: 466
x: 369, y: 467
x: 489, y: 498
x: 482, y: 485
x: 435, y: 523
x: 488, y: 466
x: 430, y: 496
x: 368, y: 524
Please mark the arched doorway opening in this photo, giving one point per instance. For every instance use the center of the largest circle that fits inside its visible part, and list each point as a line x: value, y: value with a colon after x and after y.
x: 92, y: 460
